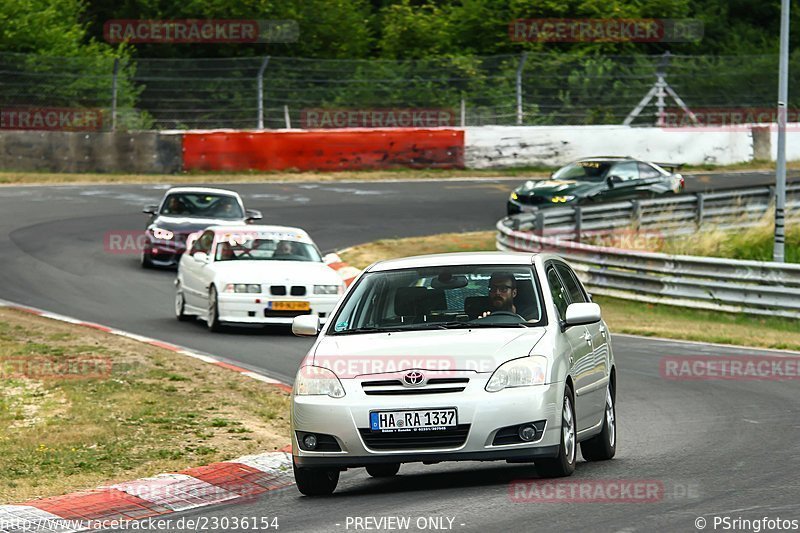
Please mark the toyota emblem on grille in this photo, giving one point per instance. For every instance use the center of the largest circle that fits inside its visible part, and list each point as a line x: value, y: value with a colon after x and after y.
x: 413, y: 378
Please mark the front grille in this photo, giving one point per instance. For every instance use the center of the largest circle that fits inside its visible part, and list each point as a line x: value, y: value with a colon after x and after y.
x: 532, y: 199
x: 410, y: 440
x: 395, y: 387
x: 283, y: 314
x: 277, y: 290
x: 298, y: 290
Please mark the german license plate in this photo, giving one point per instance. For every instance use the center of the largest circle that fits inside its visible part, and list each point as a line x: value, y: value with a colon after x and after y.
x: 289, y: 306
x: 418, y: 420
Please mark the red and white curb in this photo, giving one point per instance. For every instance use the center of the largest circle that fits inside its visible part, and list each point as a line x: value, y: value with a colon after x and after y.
x: 348, y: 273
x: 111, y: 506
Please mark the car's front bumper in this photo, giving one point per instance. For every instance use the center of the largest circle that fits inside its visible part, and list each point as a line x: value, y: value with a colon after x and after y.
x: 163, y: 253
x: 247, y: 308
x: 484, y: 412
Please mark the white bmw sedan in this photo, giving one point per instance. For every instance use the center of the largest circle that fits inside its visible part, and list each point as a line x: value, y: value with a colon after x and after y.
x: 455, y: 357
x: 252, y: 274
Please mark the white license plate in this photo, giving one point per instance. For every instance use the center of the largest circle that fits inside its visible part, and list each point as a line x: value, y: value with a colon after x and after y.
x: 421, y: 420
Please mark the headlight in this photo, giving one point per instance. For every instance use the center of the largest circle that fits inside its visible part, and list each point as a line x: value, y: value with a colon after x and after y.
x: 514, y: 195
x: 561, y: 199
x: 252, y: 288
x: 522, y: 372
x: 317, y: 381
x: 327, y: 289
x: 161, y: 234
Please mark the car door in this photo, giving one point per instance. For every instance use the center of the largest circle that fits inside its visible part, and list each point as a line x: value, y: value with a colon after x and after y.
x: 653, y: 181
x: 623, y: 181
x: 192, y: 271
x: 581, y: 361
x: 596, y: 383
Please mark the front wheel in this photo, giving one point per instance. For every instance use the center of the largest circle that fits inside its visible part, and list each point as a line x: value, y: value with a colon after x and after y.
x: 383, y: 470
x: 603, y: 446
x: 180, y: 305
x: 315, y: 481
x: 212, y: 319
x: 564, y: 464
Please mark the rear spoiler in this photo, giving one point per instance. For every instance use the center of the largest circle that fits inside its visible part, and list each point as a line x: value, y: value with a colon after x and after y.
x: 672, y: 167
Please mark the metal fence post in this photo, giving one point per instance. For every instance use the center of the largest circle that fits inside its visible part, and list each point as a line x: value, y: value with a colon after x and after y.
x: 114, y: 95
x: 636, y: 214
x: 538, y: 224
x: 521, y: 65
x: 261, y: 70
x: 286, y: 118
x: 578, y: 223
x: 701, y: 204
x: 463, y: 113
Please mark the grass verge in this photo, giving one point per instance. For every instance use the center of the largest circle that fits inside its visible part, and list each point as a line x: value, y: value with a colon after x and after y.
x: 53, y: 178
x: 130, y: 410
x: 622, y: 316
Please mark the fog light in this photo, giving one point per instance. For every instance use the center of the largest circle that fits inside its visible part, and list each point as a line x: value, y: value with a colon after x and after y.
x: 527, y: 432
x: 310, y: 441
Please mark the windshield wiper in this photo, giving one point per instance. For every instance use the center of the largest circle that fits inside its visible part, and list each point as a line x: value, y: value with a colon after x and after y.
x: 368, y: 329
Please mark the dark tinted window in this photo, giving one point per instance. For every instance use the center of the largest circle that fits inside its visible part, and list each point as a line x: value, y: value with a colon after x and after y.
x: 558, y: 292
x: 626, y: 171
x: 576, y: 294
x: 583, y: 171
x: 202, y: 206
x: 646, y: 171
x: 203, y: 243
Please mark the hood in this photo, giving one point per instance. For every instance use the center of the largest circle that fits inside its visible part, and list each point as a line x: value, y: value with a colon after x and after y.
x: 276, y: 272
x: 186, y: 225
x: 479, y: 350
x: 550, y: 188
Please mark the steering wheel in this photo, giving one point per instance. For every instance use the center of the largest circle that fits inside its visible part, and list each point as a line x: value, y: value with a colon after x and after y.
x: 502, y: 314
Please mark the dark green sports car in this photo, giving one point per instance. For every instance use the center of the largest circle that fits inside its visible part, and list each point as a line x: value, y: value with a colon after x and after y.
x: 598, y: 179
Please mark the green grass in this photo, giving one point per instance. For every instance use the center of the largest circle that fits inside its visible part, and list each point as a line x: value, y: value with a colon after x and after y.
x: 147, y: 416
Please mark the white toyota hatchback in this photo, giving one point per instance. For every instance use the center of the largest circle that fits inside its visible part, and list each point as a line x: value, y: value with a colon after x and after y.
x: 455, y: 357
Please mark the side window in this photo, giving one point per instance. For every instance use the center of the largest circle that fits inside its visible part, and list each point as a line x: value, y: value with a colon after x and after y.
x: 648, y: 172
x: 203, y: 243
x: 558, y: 292
x: 626, y: 171
x: 576, y: 293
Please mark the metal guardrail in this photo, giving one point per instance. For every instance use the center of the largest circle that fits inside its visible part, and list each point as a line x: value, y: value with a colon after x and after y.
x: 754, y: 287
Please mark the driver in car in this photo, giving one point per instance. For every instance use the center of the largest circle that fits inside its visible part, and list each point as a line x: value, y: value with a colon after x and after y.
x: 502, y: 291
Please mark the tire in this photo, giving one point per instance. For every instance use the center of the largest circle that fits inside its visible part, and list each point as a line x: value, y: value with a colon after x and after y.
x: 180, y: 305
x: 603, y: 446
x: 146, y: 262
x: 315, y: 481
x: 383, y: 470
x: 564, y: 464
x: 212, y: 318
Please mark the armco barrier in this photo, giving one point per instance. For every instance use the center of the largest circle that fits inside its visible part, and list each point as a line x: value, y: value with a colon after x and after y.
x: 323, y: 149
x: 754, y: 287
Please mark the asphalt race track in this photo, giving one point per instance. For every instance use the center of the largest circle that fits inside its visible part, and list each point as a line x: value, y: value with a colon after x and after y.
x: 726, y: 448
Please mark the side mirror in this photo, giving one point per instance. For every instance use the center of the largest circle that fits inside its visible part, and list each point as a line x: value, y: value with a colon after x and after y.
x: 150, y: 209
x: 306, y: 325
x: 252, y: 214
x: 332, y: 258
x: 201, y: 257
x: 582, y: 313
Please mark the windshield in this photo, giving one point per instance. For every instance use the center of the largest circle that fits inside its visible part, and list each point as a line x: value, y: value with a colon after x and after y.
x: 202, y: 206
x: 583, y: 171
x: 251, y: 248
x: 441, y: 298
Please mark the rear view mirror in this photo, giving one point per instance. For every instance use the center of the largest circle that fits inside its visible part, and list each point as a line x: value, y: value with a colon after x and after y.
x: 252, y: 214
x: 201, y: 257
x: 582, y: 313
x: 449, y: 281
x: 150, y: 209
